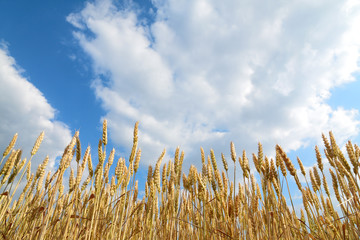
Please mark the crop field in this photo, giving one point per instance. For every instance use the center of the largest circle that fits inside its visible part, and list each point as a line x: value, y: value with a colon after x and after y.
x: 225, y: 199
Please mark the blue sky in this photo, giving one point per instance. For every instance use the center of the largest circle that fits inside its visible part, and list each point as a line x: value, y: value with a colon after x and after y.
x: 194, y: 73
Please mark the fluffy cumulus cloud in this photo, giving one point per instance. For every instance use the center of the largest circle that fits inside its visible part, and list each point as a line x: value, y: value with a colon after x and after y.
x: 25, y: 110
x: 204, y: 72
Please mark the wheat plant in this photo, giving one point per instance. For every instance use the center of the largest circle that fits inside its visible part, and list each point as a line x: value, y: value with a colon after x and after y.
x: 204, y: 204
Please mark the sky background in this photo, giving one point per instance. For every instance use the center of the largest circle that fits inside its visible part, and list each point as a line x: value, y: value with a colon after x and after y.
x: 193, y: 73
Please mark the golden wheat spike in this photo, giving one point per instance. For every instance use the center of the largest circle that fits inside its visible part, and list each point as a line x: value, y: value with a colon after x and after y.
x: 37, y: 143
x: 104, y: 136
x: 11, y: 145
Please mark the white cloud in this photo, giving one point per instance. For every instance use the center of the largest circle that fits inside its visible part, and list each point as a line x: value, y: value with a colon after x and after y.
x: 25, y: 110
x: 205, y: 73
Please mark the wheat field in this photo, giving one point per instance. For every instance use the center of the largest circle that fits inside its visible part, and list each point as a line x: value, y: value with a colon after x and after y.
x: 204, y: 204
